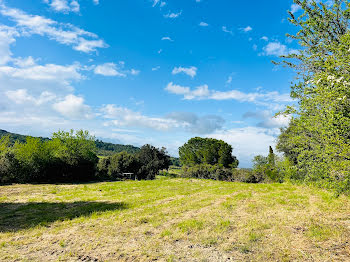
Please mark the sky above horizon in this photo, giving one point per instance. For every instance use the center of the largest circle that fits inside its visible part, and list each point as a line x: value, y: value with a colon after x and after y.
x: 147, y: 71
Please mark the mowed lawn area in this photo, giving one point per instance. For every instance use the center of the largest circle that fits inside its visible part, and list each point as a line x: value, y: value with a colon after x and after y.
x: 173, y: 220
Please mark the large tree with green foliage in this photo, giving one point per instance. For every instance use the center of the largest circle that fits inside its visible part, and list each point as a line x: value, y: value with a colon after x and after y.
x: 317, y: 139
x: 207, y: 151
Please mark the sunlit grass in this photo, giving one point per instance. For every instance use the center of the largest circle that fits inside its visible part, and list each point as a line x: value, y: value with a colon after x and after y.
x: 172, y: 220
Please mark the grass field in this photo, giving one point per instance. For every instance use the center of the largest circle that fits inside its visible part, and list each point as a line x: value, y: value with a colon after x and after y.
x: 173, y: 220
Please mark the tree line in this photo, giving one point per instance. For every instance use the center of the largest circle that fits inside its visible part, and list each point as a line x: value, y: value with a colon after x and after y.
x: 72, y: 157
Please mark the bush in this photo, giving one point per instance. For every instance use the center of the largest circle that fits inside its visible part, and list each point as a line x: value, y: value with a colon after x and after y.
x: 205, y: 171
x: 122, y: 163
x: 247, y: 176
x: 152, y: 160
x: 68, y: 157
x: 146, y: 164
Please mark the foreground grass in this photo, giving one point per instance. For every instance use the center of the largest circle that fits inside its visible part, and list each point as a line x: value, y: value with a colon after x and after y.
x: 172, y: 220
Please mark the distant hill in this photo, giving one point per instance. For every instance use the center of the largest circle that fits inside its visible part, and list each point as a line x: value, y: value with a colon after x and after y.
x: 104, y: 149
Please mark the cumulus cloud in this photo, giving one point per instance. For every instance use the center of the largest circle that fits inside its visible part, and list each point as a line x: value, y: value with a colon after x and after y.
x: 180, y: 121
x: 45, y: 73
x: 7, y: 37
x: 96, y: 2
x: 21, y: 96
x: 277, y: 49
x: 267, y: 119
x: 73, y: 107
x: 66, y: 34
x: 112, y: 69
x: 121, y: 116
x: 190, y: 71
x: 248, y: 142
x: 204, y: 24
x: 247, y: 29
x: 108, y: 69
x: 63, y: 6
x: 198, y: 125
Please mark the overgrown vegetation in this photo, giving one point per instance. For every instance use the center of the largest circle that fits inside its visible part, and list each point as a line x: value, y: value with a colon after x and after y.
x: 103, y: 148
x: 145, y: 164
x: 71, y: 157
x: 316, y: 144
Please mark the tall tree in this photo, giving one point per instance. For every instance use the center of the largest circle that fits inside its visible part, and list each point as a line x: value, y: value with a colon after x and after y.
x: 317, y: 140
x: 207, y: 151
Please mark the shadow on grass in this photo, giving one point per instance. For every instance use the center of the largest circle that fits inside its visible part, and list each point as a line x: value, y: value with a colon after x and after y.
x: 17, y: 216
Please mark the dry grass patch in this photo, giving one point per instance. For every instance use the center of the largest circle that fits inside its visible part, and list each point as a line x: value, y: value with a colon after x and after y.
x: 172, y: 220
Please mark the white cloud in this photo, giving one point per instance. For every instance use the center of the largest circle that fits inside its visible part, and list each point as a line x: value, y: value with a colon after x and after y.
x: 156, y: 68
x: 7, y: 37
x: 204, y: 24
x: 21, y: 96
x: 268, y: 120
x: 224, y: 29
x: 277, y: 49
x: 66, y: 34
x: 108, y: 69
x: 155, y: 2
x: 198, y: 125
x: 177, y: 89
x: 248, y: 142
x: 49, y: 72
x: 112, y: 69
x: 247, y: 29
x: 173, y: 15
x: 265, y: 38
x: 295, y: 8
x: 167, y: 38
x: 64, y: 6
x: 134, y: 72
x: 96, y: 2
x: 73, y: 107
x: 181, y: 121
x: 203, y: 92
x: 190, y: 71
x: 24, y: 62
x: 229, y: 80
x: 125, y: 117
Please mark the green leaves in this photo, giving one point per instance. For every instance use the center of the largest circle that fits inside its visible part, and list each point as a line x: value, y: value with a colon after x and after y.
x: 317, y: 139
x: 207, y: 151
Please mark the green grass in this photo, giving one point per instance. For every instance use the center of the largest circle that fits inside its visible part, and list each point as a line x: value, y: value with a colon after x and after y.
x: 172, y: 220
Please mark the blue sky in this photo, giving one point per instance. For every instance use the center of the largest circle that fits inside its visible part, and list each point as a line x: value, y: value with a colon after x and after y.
x: 147, y: 71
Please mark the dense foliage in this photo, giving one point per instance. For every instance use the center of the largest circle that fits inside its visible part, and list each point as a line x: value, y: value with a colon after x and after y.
x: 145, y: 164
x: 67, y: 157
x: 316, y: 143
x: 217, y: 172
x: 72, y: 157
x: 103, y: 148
x: 207, y: 151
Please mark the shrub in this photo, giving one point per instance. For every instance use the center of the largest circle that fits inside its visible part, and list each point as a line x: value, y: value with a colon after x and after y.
x: 102, y: 168
x: 122, y: 163
x: 247, y: 176
x: 152, y: 160
x: 205, y: 171
x: 68, y: 157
